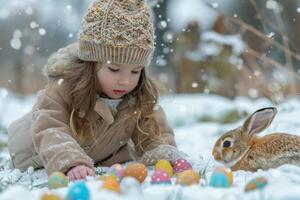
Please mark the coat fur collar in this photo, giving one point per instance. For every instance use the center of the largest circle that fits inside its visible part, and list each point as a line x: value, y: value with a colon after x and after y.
x: 60, y: 60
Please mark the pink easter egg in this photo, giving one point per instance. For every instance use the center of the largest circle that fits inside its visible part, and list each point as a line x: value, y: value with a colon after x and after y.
x: 181, y: 165
x: 160, y: 177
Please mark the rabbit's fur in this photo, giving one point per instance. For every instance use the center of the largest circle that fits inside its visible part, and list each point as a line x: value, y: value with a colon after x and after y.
x: 242, y: 149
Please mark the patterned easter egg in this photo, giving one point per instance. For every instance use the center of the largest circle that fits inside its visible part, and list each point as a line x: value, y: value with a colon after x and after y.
x: 78, y: 191
x: 130, y: 186
x: 187, y: 177
x: 165, y: 166
x: 111, y: 184
x: 117, y: 170
x: 181, y: 165
x: 160, y: 177
x: 57, y: 180
x: 257, y: 183
x: 136, y: 170
x: 227, y: 171
x: 49, y: 196
x: 219, y: 179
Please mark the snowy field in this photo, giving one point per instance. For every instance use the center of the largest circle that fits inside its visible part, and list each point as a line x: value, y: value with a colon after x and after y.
x: 198, y: 120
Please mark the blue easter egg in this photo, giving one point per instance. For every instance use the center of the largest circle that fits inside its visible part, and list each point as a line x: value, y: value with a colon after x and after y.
x: 219, y: 179
x: 78, y: 191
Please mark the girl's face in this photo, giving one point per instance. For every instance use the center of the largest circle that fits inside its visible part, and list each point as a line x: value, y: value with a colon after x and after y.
x: 116, y: 80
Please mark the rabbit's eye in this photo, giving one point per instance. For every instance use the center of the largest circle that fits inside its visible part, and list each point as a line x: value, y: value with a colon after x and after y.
x: 226, y: 143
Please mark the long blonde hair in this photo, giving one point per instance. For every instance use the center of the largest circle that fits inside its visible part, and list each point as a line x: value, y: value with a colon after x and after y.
x: 81, y: 78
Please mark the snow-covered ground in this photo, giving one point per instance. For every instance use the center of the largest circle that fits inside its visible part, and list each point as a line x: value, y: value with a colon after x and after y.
x: 196, y: 120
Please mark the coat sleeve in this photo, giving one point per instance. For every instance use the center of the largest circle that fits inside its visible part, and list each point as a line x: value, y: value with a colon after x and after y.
x: 51, y: 133
x: 151, y: 150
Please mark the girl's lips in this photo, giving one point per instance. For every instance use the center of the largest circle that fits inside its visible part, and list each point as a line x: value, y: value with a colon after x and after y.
x: 119, y: 91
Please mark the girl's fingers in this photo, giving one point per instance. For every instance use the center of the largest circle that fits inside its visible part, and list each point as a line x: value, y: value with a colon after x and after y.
x: 83, y: 172
x: 77, y: 174
x: 71, y: 176
x: 90, y: 172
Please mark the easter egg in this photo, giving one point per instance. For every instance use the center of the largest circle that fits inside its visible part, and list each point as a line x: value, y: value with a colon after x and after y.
x: 219, y: 179
x: 130, y: 186
x: 181, y: 165
x: 111, y: 184
x: 257, y: 183
x: 227, y: 171
x: 57, y: 180
x: 136, y: 170
x: 49, y: 196
x: 116, y: 170
x: 106, y: 177
x: 160, y: 177
x: 78, y: 191
x: 165, y: 166
x: 187, y: 177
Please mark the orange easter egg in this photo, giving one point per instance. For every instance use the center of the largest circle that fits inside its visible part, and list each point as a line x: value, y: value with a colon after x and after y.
x: 136, y: 170
x: 187, y: 177
x: 111, y: 184
x: 107, y: 177
x: 164, y: 165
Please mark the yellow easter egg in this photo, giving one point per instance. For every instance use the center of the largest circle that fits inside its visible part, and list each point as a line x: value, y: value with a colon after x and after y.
x: 187, y: 177
x: 164, y: 165
x: 136, y: 170
x: 111, y: 184
x: 49, y: 196
x: 227, y: 171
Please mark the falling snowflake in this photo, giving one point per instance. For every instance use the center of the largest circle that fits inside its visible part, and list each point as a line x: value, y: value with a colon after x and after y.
x: 215, y: 5
x: 195, y: 85
x: 298, y: 10
x: 29, y: 11
x: 42, y: 31
x: 162, y: 24
x: 15, y: 42
x: 168, y: 36
x: 34, y: 25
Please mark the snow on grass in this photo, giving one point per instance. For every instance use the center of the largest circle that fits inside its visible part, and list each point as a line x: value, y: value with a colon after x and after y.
x: 194, y: 136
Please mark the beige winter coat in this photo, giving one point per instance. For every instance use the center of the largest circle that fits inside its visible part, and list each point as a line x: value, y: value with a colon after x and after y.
x: 42, y: 138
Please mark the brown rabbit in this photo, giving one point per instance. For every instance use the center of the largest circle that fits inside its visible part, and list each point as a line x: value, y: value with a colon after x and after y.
x: 242, y: 149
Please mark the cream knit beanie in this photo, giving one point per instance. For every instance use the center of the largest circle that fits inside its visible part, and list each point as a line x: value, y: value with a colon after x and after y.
x: 117, y: 31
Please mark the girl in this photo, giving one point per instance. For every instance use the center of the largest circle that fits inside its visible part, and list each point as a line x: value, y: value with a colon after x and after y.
x: 99, y: 106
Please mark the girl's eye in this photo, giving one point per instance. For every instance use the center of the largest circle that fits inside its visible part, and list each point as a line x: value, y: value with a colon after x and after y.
x: 226, y: 143
x: 113, y: 70
x: 135, y: 72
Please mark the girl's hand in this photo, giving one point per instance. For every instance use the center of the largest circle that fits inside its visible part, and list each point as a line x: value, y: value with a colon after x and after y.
x: 79, y: 172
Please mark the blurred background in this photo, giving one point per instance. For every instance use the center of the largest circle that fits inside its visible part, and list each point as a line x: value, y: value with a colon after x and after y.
x: 226, y: 47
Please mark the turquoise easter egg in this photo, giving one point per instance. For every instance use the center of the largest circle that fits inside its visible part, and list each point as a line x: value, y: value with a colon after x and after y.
x: 78, y: 191
x: 219, y: 179
x: 256, y: 183
x: 57, y: 180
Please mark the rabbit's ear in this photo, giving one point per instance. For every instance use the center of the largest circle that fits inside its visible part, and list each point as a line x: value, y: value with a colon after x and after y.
x: 259, y: 120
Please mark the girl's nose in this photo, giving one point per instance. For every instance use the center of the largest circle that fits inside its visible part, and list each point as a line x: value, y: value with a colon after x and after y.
x: 124, y: 81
